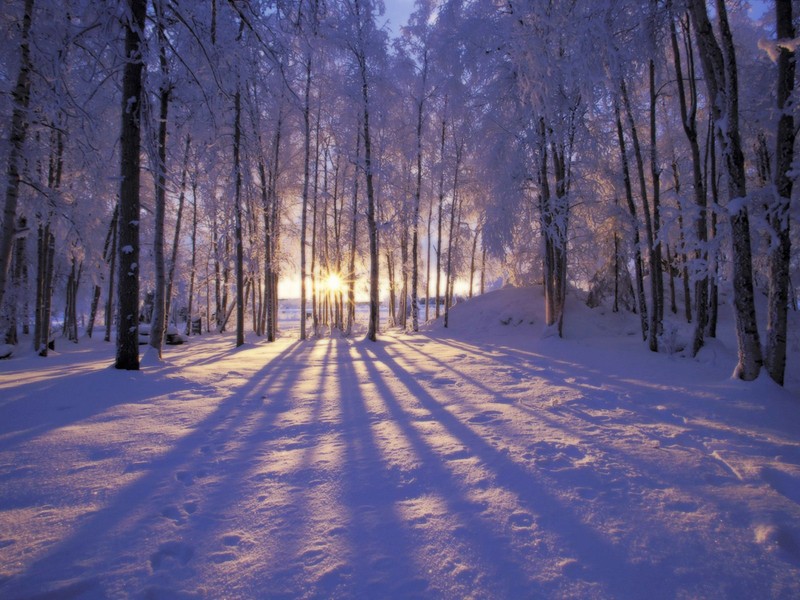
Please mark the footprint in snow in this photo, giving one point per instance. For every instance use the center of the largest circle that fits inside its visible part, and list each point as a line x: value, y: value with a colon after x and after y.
x: 184, y: 477
x: 312, y: 557
x: 171, y: 554
x: 485, y: 417
x: 222, y: 557
x: 173, y: 513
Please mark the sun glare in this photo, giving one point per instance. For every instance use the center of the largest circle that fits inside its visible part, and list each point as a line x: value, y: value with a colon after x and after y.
x: 333, y: 283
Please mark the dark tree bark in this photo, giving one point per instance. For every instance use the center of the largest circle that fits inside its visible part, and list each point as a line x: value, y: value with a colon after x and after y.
x: 173, y: 260
x: 688, y: 107
x: 637, y: 261
x: 439, y: 222
x: 128, y: 245
x: 111, y: 257
x: 417, y: 199
x: 108, y: 252
x: 351, y: 270
x: 718, y: 57
x: 193, y: 266
x: 655, y: 267
x: 711, y: 179
x: 360, y: 54
x: 455, y: 223
x: 44, y: 288
x: 19, y: 129
x: 472, y: 265
x: 237, y: 167
x: 306, y: 185
x: 780, y: 253
x: 158, y: 324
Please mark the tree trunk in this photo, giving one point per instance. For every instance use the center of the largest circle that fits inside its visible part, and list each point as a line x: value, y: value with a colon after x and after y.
x: 417, y: 200
x: 684, y: 260
x: 20, y: 284
x: 19, y: 128
x: 351, y: 271
x: 272, y: 227
x: 372, y: 226
x: 403, y: 300
x: 655, y: 270
x: 441, y: 214
x: 237, y: 168
x: 711, y: 178
x: 390, y: 273
x: 472, y: 260
x: 127, y: 356
x: 71, y: 309
x: 688, y: 107
x: 158, y: 324
x: 193, y: 267
x: 219, y: 310
x: 428, y: 262
x: 635, y: 223
x: 111, y: 258
x: 176, y: 237
x: 779, y: 214
x: 306, y: 184
x: 453, y: 232
x: 44, y: 288
x: 483, y: 264
x: 719, y: 66
x: 314, y: 224
x: 655, y: 175
x: 108, y: 252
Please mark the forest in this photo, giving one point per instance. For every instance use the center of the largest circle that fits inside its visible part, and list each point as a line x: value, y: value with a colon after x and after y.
x: 179, y: 162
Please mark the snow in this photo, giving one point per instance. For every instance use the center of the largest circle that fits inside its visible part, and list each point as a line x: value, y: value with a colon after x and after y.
x: 480, y: 461
x: 773, y: 47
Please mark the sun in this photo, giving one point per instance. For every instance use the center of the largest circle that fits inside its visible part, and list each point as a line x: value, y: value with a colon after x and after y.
x: 333, y: 283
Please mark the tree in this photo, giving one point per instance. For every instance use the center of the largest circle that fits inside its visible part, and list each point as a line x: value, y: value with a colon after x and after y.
x: 158, y: 324
x: 128, y: 242
x: 718, y: 56
x: 779, y: 217
x: 688, y: 107
x: 362, y: 37
x: 19, y: 129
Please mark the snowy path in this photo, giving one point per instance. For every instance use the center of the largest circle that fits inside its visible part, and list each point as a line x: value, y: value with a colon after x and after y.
x: 416, y: 467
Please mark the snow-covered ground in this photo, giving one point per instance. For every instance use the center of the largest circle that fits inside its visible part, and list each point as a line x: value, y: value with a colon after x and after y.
x: 481, y: 461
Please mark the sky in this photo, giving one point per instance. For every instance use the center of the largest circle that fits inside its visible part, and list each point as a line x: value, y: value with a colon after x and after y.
x: 397, y: 13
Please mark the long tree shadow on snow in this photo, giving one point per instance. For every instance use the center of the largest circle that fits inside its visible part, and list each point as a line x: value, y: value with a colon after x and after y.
x: 383, y: 558
x: 137, y: 511
x: 604, y: 402
x: 600, y: 561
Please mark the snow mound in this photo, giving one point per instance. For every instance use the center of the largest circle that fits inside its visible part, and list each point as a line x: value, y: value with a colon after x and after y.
x: 512, y: 311
x: 494, y: 312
